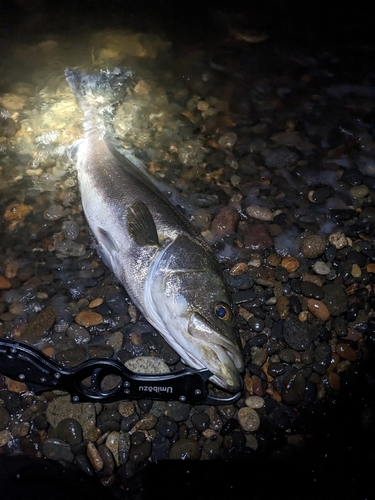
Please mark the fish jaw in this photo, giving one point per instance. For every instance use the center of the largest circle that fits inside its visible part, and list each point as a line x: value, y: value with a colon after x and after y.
x: 221, y: 355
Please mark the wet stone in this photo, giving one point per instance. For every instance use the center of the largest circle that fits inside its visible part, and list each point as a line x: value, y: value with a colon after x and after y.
x: 5, y: 437
x: 260, y: 213
x: 70, y: 430
x: 255, y: 402
x: 275, y: 369
x: 141, y: 452
x: 257, y: 237
x: 321, y: 268
x: 89, y: 318
x: 360, y: 191
x: 61, y: 408
x: 310, y: 289
x: 318, y: 309
x: 160, y: 448
x: 129, y: 422
x: 4, y: 417
x: 297, y: 335
x: 313, y: 246
x: 108, y: 461
x: 346, y: 352
x: 335, y: 299
x: 293, y: 390
x: 70, y: 230
x: 320, y: 195
x: 166, y: 426
x: 185, y: 449
x: 100, y: 351
x: 249, y: 419
x: 57, y: 449
x: 40, y: 324
x: 124, y: 445
x: 323, y: 354
x: 147, y: 364
x: 71, y: 357
x: 200, y: 421
x: 225, y: 221
x: 281, y: 157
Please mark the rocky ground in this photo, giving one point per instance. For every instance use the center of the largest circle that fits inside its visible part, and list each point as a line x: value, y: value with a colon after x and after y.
x: 263, y: 135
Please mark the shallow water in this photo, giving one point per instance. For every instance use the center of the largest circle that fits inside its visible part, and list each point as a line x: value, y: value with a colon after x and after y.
x: 268, y: 147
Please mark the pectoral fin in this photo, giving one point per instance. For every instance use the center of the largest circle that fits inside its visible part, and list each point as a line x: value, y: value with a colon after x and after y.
x: 141, y: 225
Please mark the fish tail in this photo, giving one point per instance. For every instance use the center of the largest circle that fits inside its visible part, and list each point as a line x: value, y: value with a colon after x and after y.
x: 98, y: 90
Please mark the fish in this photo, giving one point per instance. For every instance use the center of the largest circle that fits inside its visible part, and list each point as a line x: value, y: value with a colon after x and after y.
x: 166, y: 266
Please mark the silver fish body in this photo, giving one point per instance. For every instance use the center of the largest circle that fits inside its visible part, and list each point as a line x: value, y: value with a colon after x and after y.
x: 165, y: 265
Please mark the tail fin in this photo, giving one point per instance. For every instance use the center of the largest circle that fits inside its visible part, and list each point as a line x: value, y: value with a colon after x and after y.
x: 99, y: 90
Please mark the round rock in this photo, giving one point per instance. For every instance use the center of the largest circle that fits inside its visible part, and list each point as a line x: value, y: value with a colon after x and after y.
x: 249, y: 419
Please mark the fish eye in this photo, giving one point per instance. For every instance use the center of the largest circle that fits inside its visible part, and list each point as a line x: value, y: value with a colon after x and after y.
x: 223, y: 311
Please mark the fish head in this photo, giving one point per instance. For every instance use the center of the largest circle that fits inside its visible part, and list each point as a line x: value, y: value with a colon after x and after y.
x: 195, y: 316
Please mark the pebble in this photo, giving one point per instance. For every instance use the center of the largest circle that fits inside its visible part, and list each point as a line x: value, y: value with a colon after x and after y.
x: 227, y: 140
x: 70, y: 430
x: 255, y: 402
x: 40, y: 324
x: 257, y: 237
x: 185, y: 449
x: 313, y: 246
x: 249, y: 419
x: 96, y: 303
x: 139, y: 453
x: 318, y: 309
x: 346, y: 352
x: 321, y: 268
x: 126, y: 408
x: 57, y: 449
x: 239, y: 269
x: 260, y: 213
x: 5, y: 284
x: 94, y: 457
x: 290, y: 264
x: 4, y: 417
x: 89, y: 318
x: 293, y: 389
x: 225, y: 221
x: 124, y: 445
x: 310, y: 289
x: 5, y: 437
x: 297, y: 335
x: 338, y: 240
x: 360, y: 191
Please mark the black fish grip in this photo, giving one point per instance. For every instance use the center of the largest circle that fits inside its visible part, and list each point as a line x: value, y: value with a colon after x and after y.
x: 104, y: 380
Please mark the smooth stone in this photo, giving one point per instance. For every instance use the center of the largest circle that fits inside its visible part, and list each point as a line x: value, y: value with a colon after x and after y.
x: 313, y: 246
x: 254, y: 402
x: 89, y: 318
x: 185, y: 449
x: 94, y: 457
x: 166, y: 426
x: 249, y: 419
x: 139, y: 453
x: 260, y: 213
x: 346, y: 352
x: 336, y: 299
x: 318, y: 309
x: 360, y: 191
x: 4, y: 417
x: 70, y: 430
x: 293, y: 389
x: 160, y: 448
x: 257, y: 237
x: 112, y: 443
x: 57, y: 449
x: 321, y: 268
x: 225, y: 221
x: 124, y: 445
x: 200, y: 421
x: 310, y: 289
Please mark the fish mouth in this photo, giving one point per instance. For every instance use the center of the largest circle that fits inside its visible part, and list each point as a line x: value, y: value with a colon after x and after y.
x: 221, y: 355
